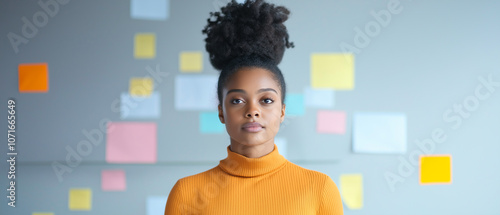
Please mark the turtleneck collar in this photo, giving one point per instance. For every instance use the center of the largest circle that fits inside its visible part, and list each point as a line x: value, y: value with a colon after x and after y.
x: 239, y: 165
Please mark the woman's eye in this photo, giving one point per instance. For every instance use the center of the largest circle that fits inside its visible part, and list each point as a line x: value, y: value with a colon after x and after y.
x: 236, y: 101
x: 268, y: 101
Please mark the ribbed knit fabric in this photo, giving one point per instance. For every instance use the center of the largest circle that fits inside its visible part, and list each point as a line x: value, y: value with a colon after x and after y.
x: 266, y: 185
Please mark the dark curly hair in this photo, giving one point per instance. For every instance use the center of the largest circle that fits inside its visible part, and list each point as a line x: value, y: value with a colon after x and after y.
x: 251, y: 34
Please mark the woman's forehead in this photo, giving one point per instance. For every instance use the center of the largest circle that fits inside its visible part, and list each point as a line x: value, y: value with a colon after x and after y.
x: 252, y: 78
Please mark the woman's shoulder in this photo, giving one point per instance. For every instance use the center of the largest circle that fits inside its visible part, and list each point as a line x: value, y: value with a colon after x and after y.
x: 198, y: 176
x: 312, y: 174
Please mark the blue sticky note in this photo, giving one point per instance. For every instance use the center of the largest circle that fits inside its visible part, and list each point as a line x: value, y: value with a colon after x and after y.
x: 156, y: 205
x: 196, y: 92
x: 149, y: 9
x: 294, y: 104
x: 379, y: 133
x: 140, y: 107
x: 319, y: 98
x: 210, y: 123
x: 282, y: 145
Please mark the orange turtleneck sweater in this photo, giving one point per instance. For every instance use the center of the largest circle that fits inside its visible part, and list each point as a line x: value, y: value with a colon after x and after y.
x: 266, y: 185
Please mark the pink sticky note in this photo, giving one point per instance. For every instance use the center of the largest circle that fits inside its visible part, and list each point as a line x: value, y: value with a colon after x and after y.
x: 332, y: 122
x: 113, y: 180
x: 131, y: 142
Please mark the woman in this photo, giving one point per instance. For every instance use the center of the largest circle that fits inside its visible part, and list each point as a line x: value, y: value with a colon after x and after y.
x: 246, y: 42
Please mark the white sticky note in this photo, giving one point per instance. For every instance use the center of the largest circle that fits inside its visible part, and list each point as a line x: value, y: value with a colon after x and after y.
x: 379, y: 133
x: 149, y: 9
x: 156, y: 205
x: 196, y: 92
x: 282, y: 145
x: 319, y: 98
x: 140, y: 107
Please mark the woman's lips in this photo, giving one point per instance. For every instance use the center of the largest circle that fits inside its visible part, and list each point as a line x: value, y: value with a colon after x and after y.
x: 252, y: 127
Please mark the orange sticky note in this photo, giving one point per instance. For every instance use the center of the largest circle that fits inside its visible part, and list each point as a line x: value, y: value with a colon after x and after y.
x: 33, y: 78
x: 435, y: 169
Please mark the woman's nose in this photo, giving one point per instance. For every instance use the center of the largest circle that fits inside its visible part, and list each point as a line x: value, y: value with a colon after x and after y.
x: 252, y: 111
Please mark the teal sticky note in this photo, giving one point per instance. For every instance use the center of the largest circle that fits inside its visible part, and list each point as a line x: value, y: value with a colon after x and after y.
x: 149, y: 9
x: 379, y: 133
x: 294, y: 104
x: 210, y: 123
x: 156, y: 205
x: 140, y: 107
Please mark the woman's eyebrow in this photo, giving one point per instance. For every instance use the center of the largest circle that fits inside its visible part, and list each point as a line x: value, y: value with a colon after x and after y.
x: 244, y: 92
x: 235, y: 91
x: 267, y: 89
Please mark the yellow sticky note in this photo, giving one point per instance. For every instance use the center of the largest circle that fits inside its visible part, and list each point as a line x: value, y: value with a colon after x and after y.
x: 141, y: 86
x: 191, y: 62
x: 332, y: 71
x: 145, y: 45
x: 80, y: 199
x: 351, y: 189
x: 38, y: 213
x: 33, y: 78
x: 435, y: 169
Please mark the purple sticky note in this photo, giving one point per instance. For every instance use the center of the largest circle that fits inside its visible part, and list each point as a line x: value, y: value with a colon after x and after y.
x: 113, y: 180
x: 332, y: 122
x: 131, y: 142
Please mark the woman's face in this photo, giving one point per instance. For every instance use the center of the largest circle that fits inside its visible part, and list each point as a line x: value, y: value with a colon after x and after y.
x: 251, y: 107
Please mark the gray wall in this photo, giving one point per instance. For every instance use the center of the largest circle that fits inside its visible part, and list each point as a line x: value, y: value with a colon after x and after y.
x: 427, y: 59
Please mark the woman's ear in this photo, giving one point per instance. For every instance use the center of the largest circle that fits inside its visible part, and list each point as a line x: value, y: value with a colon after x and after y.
x: 282, y: 118
x: 221, y: 114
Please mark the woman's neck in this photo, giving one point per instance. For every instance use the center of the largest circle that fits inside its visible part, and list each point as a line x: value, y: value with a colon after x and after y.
x: 254, y: 151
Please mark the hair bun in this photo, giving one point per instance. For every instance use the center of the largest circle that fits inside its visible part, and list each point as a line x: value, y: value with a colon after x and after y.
x: 254, y: 28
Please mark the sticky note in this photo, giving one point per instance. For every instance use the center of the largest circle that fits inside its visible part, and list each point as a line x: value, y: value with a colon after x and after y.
x: 80, y: 199
x: 210, y: 123
x: 319, y: 98
x: 435, y: 169
x: 196, y: 92
x: 294, y: 104
x: 149, y: 9
x: 113, y: 180
x: 332, y: 122
x: 131, y: 142
x: 141, y: 86
x: 191, y: 61
x: 379, y: 133
x: 281, y: 143
x: 332, y: 70
x: 156, y: 205
x: 40, y: 213
x: 33, y: 78
x: 145, y: 45
x: 133, y: 107
x: 351, y: 190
